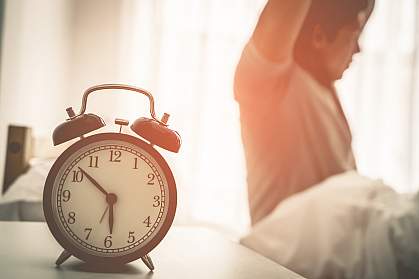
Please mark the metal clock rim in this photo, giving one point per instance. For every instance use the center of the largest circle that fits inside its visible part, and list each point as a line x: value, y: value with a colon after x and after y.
x: 72, y: 248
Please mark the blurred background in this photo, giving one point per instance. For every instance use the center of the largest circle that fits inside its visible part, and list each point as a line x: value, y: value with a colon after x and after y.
x: 185, y: 53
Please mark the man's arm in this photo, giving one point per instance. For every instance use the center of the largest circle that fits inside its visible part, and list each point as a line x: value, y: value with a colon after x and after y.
x: 278, y: 27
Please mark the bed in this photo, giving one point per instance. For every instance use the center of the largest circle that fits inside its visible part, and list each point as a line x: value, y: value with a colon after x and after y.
x: 27, y: 164
x: 23, y: 199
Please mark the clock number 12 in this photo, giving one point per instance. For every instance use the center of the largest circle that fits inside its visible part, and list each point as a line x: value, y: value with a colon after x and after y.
x: 115, y: 156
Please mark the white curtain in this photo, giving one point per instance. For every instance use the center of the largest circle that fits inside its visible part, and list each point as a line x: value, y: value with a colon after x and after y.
x: 185, y: 53
x: 380, y: 96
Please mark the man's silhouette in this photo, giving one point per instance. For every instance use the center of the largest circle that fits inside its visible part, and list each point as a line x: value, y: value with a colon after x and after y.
x: 294, y: 131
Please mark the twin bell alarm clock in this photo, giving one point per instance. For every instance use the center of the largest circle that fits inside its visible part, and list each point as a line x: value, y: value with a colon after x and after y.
x: 110, y: 198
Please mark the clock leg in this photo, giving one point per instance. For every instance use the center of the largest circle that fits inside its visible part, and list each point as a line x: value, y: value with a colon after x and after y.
x: 63, y: 257
x: 148, y: 262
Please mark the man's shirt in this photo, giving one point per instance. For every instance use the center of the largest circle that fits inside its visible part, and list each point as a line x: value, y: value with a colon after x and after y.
x: 293, y: 130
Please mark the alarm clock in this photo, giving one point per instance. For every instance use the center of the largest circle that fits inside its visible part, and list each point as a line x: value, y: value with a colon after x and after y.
x: 110, y: 198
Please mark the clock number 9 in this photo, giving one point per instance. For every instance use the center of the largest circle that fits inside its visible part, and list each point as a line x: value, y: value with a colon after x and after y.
x: 66, y: 195
x: 71, y: 217
x: 108, y: 241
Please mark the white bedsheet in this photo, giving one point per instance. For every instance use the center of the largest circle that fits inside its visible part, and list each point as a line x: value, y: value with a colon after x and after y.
x: 348, y: 226
x: 30, y: 185
x: 23, y: 200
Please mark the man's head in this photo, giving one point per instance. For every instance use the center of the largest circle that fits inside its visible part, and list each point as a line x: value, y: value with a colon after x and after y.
x: 329, y: 36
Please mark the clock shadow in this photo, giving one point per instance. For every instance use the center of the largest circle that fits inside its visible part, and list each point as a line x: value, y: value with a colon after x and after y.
x: 120, y: 269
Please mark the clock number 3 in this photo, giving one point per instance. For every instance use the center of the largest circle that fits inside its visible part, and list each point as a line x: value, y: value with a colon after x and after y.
x: 156, y: 201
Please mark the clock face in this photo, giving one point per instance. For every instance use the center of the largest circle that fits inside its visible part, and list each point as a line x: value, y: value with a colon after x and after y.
x: 111, y: 196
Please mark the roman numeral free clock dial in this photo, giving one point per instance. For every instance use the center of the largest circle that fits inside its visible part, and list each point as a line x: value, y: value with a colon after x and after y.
x: 119, y: 212
x: 111, y: 198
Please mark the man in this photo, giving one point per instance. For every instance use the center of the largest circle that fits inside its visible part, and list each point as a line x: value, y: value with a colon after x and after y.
x: 294, y: 131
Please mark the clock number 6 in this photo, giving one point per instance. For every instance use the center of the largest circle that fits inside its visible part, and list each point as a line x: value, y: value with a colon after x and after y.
x: 108, y: 241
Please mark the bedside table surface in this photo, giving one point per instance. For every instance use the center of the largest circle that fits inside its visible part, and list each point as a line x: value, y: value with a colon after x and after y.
x: 28, y: 250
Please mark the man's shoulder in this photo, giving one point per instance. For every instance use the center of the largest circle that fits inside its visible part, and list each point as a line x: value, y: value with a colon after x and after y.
x: 259, y: 81
x: 258, y: 78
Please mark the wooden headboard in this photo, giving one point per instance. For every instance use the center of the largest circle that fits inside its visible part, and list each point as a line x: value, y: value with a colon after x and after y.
x: 18, y: 153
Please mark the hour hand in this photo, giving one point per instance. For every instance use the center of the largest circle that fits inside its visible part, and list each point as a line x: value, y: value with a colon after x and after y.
x: 103, y: 215
x: 94, y: 182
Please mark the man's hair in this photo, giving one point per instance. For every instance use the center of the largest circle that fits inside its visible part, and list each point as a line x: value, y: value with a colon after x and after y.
x: 331, y: 16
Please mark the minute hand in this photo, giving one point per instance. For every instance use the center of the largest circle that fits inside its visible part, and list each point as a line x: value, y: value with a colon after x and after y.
x: 94, y: 182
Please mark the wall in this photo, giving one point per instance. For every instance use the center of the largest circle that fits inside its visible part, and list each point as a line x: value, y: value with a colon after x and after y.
x: 35, y: 55
x: 52, y: 51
